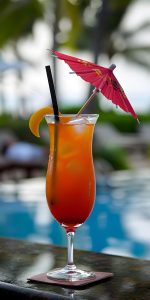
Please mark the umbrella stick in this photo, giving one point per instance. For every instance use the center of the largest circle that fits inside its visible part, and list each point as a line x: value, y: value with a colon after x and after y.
x: 95, y: 91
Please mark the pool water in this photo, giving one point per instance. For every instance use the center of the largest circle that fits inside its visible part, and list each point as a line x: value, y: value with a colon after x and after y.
x: 119, y: 223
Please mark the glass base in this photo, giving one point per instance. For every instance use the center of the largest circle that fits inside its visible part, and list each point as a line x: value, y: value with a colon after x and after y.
x: 70, y: 273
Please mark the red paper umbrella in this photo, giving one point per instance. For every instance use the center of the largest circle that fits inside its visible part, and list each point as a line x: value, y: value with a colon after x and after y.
x: 101, y: 78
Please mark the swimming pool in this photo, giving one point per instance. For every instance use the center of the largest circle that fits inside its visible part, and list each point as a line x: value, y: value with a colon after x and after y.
x: 119, y: 223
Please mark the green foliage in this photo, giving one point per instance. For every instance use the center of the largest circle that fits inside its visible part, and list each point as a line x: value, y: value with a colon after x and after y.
x: 116, y: 156
x: 20, y: 127
x: 74, y: 34
x: 122, y: 122
x: 117, y: 10
x: 70, y: 109
x: 17, y: 18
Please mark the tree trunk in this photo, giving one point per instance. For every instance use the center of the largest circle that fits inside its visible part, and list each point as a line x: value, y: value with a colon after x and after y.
x: 2, y: 95
x: 98, y: 44
x: 55, y: 44
x: 22, y: 106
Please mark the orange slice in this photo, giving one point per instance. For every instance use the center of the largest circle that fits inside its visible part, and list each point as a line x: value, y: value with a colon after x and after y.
x: 36, y: 118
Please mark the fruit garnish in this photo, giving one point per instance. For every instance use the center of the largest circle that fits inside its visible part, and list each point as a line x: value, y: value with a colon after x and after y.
x: 36, y: 118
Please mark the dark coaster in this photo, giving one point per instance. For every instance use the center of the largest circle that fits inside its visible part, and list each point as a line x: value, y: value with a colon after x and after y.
x: 42, y: 278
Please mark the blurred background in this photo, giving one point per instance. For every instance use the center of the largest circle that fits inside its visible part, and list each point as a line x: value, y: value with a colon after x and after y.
x: 103, y: 32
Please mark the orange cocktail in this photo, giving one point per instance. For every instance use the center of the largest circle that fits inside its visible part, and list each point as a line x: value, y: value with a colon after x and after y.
x: 70, y: 180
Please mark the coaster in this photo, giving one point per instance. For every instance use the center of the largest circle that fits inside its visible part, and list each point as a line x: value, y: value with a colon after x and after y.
x: 42, y: 278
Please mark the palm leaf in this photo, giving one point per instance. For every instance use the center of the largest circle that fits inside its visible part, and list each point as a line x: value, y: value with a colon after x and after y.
x: 137, y: 59
x: 130, y: 33
x: 17, y: 19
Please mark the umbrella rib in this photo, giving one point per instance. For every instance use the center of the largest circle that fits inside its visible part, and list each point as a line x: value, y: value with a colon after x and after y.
x: 81, y: 72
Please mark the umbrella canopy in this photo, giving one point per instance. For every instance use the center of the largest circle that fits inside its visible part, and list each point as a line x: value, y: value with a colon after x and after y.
x: 101, y: 78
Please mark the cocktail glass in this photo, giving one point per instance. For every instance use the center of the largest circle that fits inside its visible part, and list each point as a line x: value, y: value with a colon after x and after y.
x: 70, y: 181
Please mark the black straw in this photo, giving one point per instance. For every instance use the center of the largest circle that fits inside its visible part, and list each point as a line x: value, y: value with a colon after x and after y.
x: 52, y: 91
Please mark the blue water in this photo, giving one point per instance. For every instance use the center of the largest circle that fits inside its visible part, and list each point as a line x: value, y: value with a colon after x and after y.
x: 119, y: 223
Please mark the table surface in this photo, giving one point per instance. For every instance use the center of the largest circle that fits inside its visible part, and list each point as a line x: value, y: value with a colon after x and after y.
x: 21, y: 259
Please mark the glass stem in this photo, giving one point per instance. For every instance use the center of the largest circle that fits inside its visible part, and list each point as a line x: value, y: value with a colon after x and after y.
x: 70, y: 262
